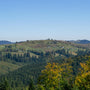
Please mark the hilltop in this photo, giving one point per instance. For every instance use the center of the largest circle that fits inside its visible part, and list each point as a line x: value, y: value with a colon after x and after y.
x: 41, y: 46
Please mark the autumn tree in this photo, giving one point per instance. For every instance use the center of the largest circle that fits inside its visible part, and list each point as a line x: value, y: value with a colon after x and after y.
x: 83, y: 79
x: 55, y: 76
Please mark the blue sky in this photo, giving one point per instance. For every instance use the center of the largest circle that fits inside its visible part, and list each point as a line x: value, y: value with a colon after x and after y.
x: 22, y: 20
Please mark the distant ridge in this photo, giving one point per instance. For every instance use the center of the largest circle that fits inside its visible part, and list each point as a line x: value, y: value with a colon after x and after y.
x: 3, y: 42
x: 80, y: 41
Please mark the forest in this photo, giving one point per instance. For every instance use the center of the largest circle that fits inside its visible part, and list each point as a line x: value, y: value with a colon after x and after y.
x: 45, y: 65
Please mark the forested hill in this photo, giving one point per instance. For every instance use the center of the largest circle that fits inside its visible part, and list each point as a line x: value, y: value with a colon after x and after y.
x: 23, y: 61
x: 14, y: 56
x: 3, y: 42
x: 37, y: 47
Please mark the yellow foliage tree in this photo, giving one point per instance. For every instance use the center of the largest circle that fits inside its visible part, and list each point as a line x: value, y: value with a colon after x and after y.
x: 53, y: 74
x: 83, y: 80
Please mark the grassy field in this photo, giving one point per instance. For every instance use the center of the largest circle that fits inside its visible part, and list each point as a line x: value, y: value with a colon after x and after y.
x: 6, y: 67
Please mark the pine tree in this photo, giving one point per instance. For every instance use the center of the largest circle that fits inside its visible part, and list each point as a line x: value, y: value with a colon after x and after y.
x: 31, y: 85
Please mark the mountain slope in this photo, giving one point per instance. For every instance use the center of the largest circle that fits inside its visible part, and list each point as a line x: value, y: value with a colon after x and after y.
x: 24, y: 60
x: 32, y: 51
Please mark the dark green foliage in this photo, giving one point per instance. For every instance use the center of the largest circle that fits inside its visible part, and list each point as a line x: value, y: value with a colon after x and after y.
x: 4, y: 86
x: 31, y: 85
x: 21, y: 77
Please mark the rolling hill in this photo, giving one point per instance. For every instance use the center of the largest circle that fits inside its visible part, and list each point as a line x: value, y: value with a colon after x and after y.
x: 24, y: 60
x: 22, y: 52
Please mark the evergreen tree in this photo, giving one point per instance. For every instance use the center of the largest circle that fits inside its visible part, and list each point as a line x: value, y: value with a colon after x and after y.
x: 31, y: 85
x: 4, y: 86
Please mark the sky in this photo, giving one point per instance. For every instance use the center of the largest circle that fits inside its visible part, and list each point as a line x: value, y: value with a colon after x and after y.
x: 22, y: 20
